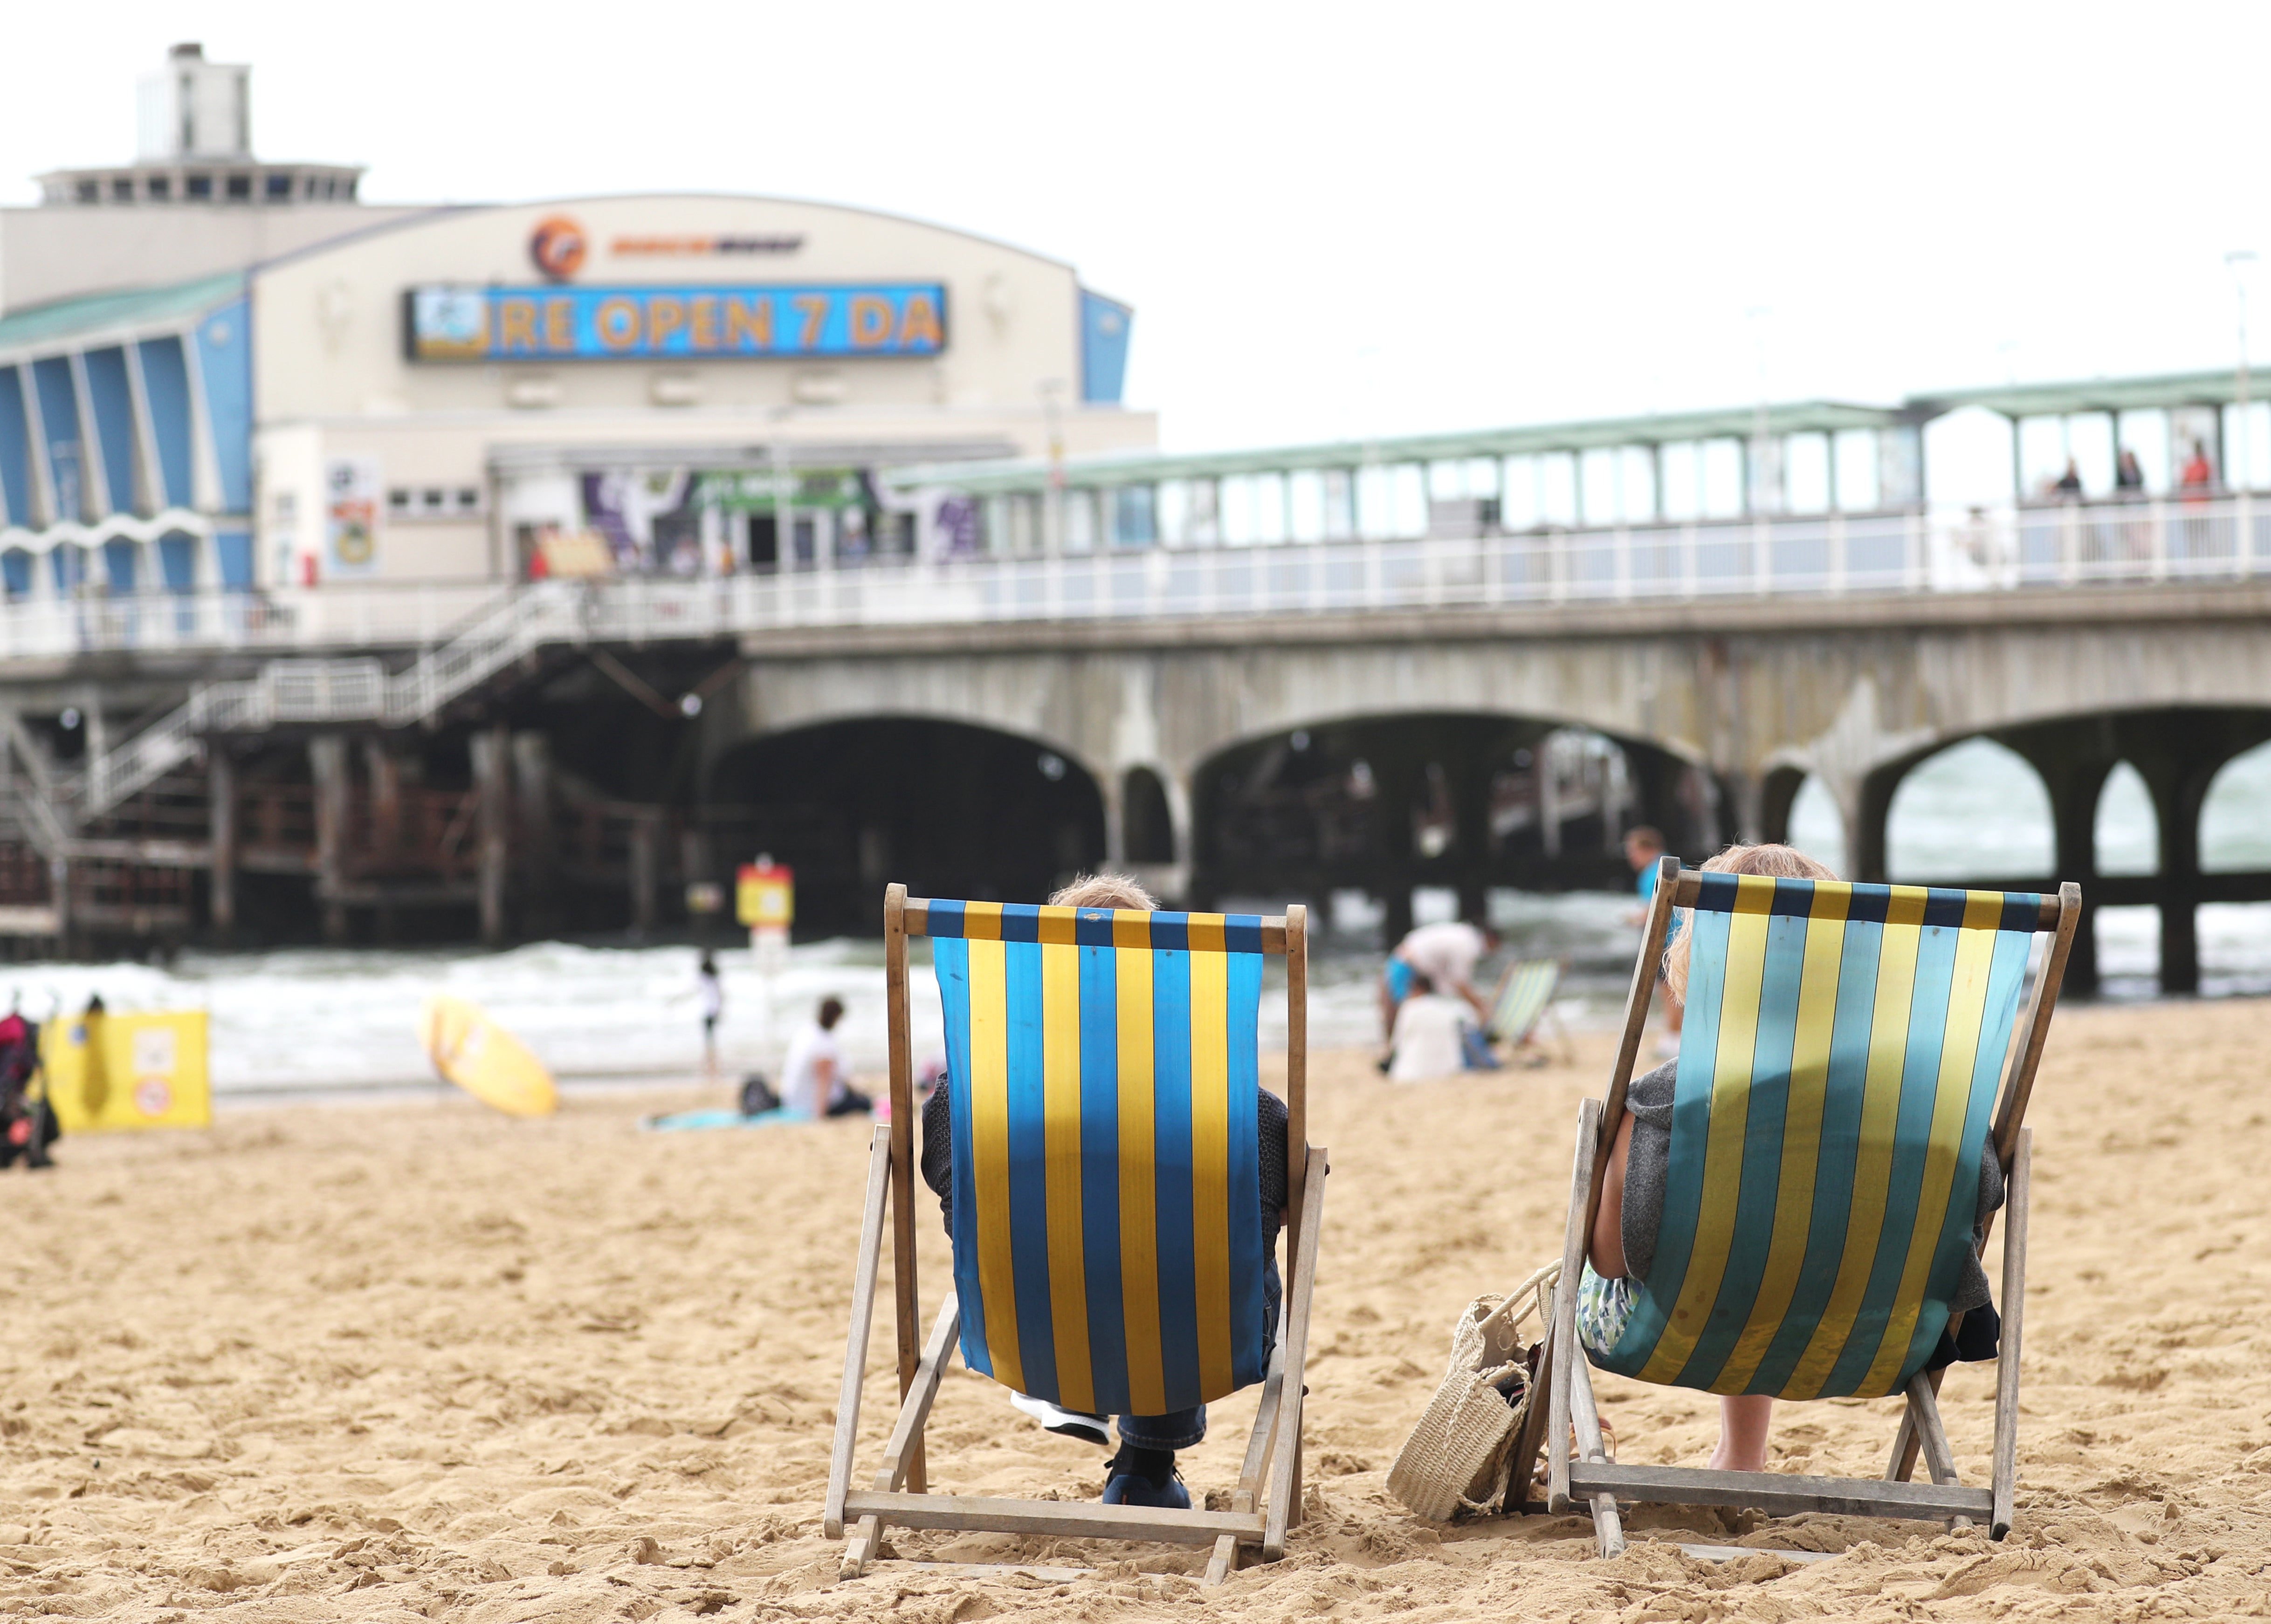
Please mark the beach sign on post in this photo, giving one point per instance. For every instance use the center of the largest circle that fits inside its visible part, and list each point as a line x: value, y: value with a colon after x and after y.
x: 118, y: 1070
x: 765, y: 899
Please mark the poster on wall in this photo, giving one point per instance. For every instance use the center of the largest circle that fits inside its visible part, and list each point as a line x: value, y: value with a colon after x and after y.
x: 351, y: 505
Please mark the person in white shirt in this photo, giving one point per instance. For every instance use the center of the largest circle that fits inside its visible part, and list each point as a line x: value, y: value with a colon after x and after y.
x: 710, y: 992
x: 1446, y: 954
x: 813, y: 1081
x: 1429, y: 1040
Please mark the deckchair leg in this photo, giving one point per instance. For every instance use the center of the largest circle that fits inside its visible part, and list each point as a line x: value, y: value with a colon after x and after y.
x: 906, y: 1435
x: 855, y: 1344
x: 1608, y: 1525
x: 1563, y: 1345
x: 2007, y: 1356
x: 1285, y: 1452
x: 1924, y: 1420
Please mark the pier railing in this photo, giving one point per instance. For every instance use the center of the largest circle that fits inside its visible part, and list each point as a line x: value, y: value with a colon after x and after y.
x: 2068, y: 544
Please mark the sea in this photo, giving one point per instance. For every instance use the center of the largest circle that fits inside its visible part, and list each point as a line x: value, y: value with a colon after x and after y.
x: 328, y: 1022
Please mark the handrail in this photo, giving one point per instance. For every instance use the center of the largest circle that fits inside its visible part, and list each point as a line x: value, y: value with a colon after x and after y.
x: 2060, y: 545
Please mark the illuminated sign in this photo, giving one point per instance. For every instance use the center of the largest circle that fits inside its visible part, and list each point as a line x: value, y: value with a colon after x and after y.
x: 679, y: 322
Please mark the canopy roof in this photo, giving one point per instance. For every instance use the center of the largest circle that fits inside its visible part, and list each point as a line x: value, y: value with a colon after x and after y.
x: 128, y: 314
x: 1123, y: 468
x: 2035, y: 400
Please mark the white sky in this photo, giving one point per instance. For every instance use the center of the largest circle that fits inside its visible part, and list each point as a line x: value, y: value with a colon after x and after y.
x: 1348, y: 219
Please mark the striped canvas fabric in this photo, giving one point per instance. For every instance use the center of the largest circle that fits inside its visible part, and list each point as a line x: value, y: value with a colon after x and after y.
x: 1107, y: 1231
x: 1528, y: 989
x: 1838, y: 1068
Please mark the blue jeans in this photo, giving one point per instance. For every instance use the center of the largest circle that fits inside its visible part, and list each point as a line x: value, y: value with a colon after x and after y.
x: 1180, y: 1429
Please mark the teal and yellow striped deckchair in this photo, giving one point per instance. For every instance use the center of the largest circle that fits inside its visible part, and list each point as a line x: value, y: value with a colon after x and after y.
x: 1108, y: 1250
x: 1847, y: 1060
x: 1525, y: 995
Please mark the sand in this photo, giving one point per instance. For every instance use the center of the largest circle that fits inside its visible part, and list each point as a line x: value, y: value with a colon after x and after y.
x: 369, y: 1363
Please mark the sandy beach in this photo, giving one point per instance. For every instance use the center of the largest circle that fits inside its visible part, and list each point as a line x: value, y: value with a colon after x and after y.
x: 370, y: 1362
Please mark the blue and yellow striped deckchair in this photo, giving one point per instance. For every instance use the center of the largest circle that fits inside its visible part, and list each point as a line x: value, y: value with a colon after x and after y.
x: 1108, y: 1238
x: 1838, y: 1083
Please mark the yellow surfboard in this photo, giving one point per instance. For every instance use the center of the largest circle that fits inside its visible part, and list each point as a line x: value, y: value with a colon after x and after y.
x: 484, y: 1059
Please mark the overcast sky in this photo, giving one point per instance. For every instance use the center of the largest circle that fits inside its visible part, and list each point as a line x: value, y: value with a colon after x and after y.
x: 1338, y: 219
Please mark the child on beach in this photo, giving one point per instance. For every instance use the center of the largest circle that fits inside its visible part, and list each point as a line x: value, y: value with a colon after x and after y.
x: 1143, y: 1473
x: 1625, y: 1229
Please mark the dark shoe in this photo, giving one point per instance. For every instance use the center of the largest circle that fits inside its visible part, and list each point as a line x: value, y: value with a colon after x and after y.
x: 1144, y: 1477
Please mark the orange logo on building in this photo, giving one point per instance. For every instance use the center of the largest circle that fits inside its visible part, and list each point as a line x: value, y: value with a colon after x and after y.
x: 558, y: 246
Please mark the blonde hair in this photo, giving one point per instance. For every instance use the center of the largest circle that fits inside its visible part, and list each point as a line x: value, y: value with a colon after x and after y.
x: 1779, y: 862
x: 1103, y: 890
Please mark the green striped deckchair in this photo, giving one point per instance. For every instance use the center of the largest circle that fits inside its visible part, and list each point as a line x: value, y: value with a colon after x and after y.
x: 1847, y: 1061
x: 1108, y: 1252
x: 1525, y: 994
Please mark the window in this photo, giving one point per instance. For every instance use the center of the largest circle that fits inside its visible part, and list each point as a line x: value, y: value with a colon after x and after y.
x: 469, y: 499
x: 122, y: 188
x: 162, y: 188
x: 198, y: 186
x: 240, y: 187
x: 90, y: 191
x: 397, y: 501
x: 278, y: 187
x: 1134, y: 522
x: 435, y: 501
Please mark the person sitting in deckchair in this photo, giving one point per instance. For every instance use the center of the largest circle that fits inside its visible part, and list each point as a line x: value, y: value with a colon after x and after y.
x: 1143, y: 1473
x: 1623, y: 1244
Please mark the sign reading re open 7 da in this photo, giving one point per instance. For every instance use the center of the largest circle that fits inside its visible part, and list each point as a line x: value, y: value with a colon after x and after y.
x: 456, y: 323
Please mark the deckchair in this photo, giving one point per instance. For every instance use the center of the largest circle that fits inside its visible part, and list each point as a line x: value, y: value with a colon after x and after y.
x: 1849, y: 1057
x: 1107, y: 1242
x: 1524, y: 1001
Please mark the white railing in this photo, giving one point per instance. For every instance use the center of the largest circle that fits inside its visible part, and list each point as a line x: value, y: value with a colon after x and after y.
x: 2072, y: 545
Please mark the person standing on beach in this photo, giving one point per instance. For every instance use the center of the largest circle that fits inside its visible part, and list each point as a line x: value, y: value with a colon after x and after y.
x: 709, y: 989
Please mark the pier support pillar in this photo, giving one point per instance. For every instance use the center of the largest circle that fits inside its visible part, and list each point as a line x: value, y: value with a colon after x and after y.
x: 645, y: 864
x: 220, y: 810
x: 539, y: 853
x: 491, y: 751
x: 2075, y: 784
x: 327, y: 765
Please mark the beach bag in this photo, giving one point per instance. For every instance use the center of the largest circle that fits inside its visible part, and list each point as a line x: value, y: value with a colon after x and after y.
x: 1458, y: 1457
x: 758, y: 1095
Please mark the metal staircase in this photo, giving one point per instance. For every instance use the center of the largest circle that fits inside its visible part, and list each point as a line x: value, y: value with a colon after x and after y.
x: 49, y: 805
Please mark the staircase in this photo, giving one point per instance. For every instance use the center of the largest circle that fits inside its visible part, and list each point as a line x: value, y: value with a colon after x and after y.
x: 49, y: 803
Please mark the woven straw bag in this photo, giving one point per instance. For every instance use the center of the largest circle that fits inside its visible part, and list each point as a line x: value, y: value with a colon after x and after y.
x: 1456, y: 1458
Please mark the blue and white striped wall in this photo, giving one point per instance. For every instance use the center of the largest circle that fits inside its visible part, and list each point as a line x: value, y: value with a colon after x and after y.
x: 125, y: 458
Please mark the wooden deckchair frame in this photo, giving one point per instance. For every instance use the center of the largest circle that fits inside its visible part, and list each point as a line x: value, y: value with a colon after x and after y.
x: 1578, y: 1467
x: 1267, y: 1502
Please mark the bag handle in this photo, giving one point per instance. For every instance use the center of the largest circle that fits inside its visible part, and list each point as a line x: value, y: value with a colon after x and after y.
x: 1534, y: 1288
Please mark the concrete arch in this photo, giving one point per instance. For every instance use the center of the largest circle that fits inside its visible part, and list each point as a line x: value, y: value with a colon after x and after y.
x: 1460, y: 798
x: 946, y: 807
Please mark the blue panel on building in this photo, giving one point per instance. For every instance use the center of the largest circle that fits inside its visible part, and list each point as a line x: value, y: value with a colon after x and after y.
x: 225, y: 363
x: 177, y: 561
x: 16, y: 572
x: 113, y: 400
x: 68, y: 562
x: 166, y: 382
x: 58, y: 396
x: 118, y: 556
x: 232, y: 552
x: 1104, y: 324
x: 15, y: 452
